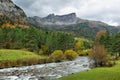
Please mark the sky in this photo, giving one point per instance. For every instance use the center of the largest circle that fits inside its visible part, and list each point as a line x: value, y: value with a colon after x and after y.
x: 107, y: 11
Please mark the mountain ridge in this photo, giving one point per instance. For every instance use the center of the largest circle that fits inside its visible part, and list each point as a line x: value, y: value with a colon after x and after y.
x: 53, y: 19
x: 72, y: 24
x: 66, y: 19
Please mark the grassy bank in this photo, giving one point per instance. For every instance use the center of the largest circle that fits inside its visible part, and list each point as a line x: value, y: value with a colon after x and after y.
x: 104, y: 73
x: 12, y: 58
x: 17, y: 54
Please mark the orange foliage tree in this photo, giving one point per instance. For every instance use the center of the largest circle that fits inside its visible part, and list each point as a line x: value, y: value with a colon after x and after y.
x: 99, y: 54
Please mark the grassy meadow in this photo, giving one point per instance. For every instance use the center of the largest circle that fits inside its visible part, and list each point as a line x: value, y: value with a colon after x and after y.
x: 15, y: 58
x: 102, y: 73
x: 17, y: 54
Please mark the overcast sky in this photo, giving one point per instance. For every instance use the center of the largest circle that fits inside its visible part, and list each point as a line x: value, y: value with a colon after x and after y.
x: 102, y: 10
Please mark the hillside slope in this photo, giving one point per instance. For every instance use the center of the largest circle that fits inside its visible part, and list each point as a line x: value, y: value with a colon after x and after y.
x: 11, y: 12
x: 72, y: 24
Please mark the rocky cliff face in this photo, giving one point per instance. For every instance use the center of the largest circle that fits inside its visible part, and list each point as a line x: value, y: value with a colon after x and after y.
x: 53, y: 19
x: 61, y: 20
x: 10, y: 10
x: 69, y: 18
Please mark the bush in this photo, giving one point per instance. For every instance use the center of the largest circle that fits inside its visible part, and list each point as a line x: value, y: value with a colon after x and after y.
x: 43, y: 49
x: 99, y: 55
x: 57, y: 56
x: 110, y: 63
x: 70, y: 54
x: 84, y: 52
x: 81, y: 53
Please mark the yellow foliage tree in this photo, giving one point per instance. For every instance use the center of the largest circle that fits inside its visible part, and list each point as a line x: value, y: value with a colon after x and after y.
x: 78, y: 45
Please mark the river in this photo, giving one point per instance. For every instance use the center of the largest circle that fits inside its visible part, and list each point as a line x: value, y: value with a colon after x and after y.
x: 49, y: 71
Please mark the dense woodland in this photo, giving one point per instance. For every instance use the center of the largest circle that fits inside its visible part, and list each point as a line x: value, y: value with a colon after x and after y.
x: 34, y: 39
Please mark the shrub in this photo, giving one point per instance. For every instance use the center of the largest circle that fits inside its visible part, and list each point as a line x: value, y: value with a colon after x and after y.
x: 110, y: 63
x: 57, y: 56
x: 80, y: 53
x: 99, y: 55
x: 84, y: 52
x: 43, y: 49
x: 49, y: 59
x: 70, y: 54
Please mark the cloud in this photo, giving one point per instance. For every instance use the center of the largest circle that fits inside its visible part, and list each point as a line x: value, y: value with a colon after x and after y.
x: 103, y: 10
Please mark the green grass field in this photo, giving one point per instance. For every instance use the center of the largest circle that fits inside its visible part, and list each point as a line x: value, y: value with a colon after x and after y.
x: 10, y: 55
x: 104, y: 73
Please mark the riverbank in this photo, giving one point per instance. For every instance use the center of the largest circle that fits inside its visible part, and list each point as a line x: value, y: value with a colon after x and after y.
x: 49, y: 71
x: 15, y: 58
x: 103, y: 73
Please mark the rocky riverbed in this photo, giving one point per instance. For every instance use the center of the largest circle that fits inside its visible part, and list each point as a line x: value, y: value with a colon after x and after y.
x: 50, y: 71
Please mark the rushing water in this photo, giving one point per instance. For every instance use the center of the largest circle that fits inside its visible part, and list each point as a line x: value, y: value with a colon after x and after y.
x: 50, y: 71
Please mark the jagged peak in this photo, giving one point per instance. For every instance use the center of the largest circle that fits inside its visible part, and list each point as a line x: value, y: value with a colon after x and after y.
x: 70, y: 14
x: 53, y: 15
x: 67, y: 18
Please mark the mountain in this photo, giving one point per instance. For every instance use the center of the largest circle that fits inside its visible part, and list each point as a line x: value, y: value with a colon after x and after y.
x: 53, y: 19
x: 10, y: 11
x: 72, y: 24
x: 61, y: 20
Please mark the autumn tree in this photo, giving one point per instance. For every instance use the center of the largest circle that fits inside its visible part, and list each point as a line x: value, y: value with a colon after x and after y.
x: 99, y: 54
x: 78, y: 45
x: 99, y: 35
